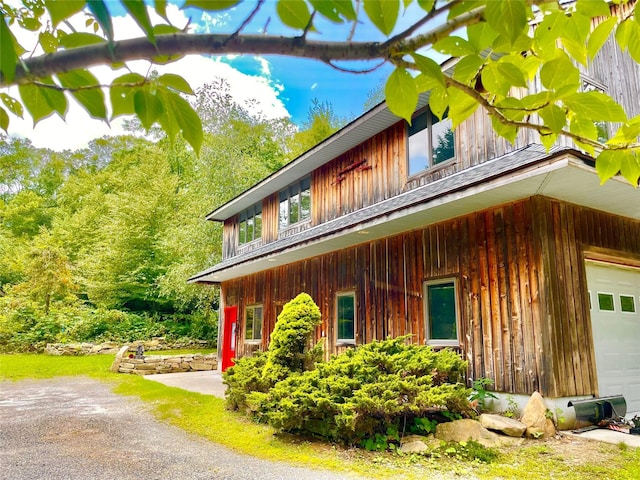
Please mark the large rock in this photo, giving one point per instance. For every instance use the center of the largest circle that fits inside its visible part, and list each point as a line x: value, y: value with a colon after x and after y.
x: 418, y: 444
x: 534, y: 416
x: 498, y: 423
x: 466, y: 429
x: 115, y: 366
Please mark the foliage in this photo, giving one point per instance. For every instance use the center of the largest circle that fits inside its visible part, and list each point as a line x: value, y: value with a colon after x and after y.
x: 470, y: 450
x: 365, y: 391
x: 519, y: 57
x: 289, y: 352
x: 512, y: 408
x: 480, y: 392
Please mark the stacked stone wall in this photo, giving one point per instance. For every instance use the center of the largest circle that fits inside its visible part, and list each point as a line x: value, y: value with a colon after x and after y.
x: 128, y: 362
x: 111, y: 348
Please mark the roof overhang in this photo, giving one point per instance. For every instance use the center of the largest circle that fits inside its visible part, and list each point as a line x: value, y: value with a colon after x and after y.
x: 565, y: 176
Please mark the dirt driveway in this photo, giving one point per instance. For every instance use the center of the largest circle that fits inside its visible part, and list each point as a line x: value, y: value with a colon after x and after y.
x: 76, y: 428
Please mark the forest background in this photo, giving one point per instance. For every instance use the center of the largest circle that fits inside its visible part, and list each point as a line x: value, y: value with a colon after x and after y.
x: 97, y: 244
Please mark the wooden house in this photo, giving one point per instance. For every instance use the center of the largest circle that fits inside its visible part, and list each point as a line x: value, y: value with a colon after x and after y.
x: 513, y: 255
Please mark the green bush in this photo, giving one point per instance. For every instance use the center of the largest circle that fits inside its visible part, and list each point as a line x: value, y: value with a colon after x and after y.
x: 367, y: 391
x: 290, y: 352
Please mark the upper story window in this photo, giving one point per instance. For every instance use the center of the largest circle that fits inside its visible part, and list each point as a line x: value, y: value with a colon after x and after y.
x: 295, y: 203
x: 431, y: 141
x: 441, y: 311
x: 250, y: 226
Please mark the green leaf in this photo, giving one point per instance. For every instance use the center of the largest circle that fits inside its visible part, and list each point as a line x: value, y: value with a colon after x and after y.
x: 548, y: 140
x: 499, y: 77
x: 630, y: 166
x: 211, y: 5
x: 61, y: 10
x: 92, y: 99
x: 161, y: 8
x: 536, y: 100
x: 554, y: 117
x: 335, y: 10
x: 176, y: 82
x: 559, y: 72
x: 439, y: 101
x: 12, y: 104
x: 608, y: 164
x: 430, y: 69
x: 80, y: 39
x: 467, y: 68
x: 583, y: 127
x: 41, y: 102
x: 383, y: 14
x: 102, y: 15
x: 48, y: 42
x: 454, y: 46
x: 183, y: 114
x: 294, y: 13
x: 481, y: 36
x: 122, y: 92
x: 148, y: 107
x: 138, y: 10
x: 512, y: 108
x: 599, y: 35
x: 596, y: 105
x: 593, y: 8
x: 509, y: 18
x: 4, y: 119
x: 549, y: 30
x: 8, y: 56
x: 401, y: 93
x: 461, y: 106
x: 426, y: 5
x: 624, y: 33
x: 509, y: 132
x: 634, y: 45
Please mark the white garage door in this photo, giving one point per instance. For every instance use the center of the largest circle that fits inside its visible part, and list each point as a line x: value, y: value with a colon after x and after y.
x: 614, y: 294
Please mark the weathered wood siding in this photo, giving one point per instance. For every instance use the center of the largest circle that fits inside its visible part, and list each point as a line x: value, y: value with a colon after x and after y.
x: 520, y: 270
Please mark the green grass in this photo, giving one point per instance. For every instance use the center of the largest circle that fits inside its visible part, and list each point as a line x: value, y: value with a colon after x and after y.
x: 205, y: 416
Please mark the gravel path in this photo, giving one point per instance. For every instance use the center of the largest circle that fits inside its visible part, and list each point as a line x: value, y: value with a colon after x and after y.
x: 76, y: 428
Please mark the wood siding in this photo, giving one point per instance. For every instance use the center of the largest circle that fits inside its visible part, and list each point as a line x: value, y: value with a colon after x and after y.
x: 520, y: 270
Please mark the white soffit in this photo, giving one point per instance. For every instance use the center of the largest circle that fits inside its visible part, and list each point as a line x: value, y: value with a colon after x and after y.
x: 567, y: 179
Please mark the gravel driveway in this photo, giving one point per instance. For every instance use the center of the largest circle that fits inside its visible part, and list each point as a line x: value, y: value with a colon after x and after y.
x: 76, y: 428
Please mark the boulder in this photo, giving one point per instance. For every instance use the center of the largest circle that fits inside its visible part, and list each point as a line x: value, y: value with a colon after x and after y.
x: 466, y: 429
x: 534, y: 416
x: 498, y: 423
x: 415, y: 444
x: 115, y: 366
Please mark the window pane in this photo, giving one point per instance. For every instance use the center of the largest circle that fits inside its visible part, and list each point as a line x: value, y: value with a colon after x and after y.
x: 627, y: 303
x: 284, y: 213
x: 248, y: 332
x: 605, y: 302
x: 418, y: 145
x: 305, y: 204
x: 442, y: 141
x: 441, y: 300
x: 258, y: 225
x: 242, y: 232
x: 294, y: 205
x: 346, y: 317
x: 257, y: 323
x: 250, y: 231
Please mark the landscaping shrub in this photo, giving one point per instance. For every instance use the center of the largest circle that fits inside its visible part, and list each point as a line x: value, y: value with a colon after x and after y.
x: 371, y: 390
x: 289, y: 352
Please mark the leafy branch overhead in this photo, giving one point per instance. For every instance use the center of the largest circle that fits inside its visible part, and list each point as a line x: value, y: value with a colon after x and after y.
x: 500, y: 50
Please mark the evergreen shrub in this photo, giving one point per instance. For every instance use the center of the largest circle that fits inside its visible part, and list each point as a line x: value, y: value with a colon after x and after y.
x: 367, y: 391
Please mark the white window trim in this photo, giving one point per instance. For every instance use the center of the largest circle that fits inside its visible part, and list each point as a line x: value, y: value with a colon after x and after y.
x: 347, y: 341
x: 441, y: 342
x: 253, y: 341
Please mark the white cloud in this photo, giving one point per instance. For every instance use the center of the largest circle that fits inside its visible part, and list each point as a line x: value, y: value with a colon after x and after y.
x: 258, y: 93
x: 314, y: 86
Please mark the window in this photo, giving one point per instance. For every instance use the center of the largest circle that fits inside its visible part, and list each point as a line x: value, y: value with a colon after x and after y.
x: 627, y: 304
x: 250, y: 226
x: 431, y: 141
x: 295, y: 203
x: 253, y: 323
x: 441, y: 307
x: 605, y: 302
x: 346, y: 317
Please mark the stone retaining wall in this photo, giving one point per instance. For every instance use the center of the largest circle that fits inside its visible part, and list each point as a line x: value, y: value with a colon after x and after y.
x: 111, y: 348
x: 127, y: 362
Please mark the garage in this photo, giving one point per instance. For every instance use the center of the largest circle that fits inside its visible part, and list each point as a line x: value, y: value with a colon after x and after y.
x: 614, y: 299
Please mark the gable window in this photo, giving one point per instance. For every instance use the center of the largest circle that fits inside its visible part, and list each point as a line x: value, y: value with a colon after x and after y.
x: 250, y: 225
x: 441, y: 311
x: 430, y: 142
x: 253, y: 323
x: 346, y: 317
x: 295, y: 203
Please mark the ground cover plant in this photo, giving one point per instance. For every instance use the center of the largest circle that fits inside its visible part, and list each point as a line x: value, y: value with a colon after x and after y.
x: 203, y: 415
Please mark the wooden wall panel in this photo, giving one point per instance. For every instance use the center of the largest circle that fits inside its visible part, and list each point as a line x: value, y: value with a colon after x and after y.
x: 520, y: 270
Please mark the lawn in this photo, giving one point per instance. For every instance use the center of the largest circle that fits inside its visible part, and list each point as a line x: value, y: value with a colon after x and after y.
x: 205, y: 416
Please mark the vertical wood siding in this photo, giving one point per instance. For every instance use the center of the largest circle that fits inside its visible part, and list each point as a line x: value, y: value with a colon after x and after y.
x: 520, y: 269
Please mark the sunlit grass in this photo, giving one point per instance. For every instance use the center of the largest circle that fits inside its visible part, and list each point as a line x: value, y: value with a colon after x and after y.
x: 204, y: 415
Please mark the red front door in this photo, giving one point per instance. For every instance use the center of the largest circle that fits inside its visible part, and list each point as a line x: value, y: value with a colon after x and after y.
x: 229, y: 336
